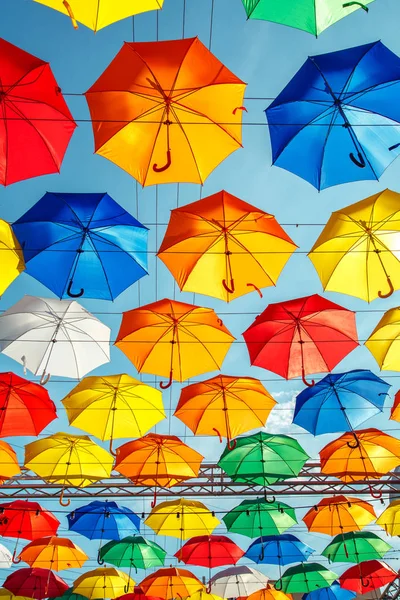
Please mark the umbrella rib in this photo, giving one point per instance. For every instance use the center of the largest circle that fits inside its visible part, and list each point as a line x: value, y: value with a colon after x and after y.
x: 357, y: 64
x: 191, y: 334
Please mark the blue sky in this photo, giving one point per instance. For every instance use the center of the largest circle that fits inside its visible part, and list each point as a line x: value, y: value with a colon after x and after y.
x: 266, y: 56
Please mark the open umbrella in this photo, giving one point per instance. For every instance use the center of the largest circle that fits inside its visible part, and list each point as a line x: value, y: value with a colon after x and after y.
x: 223, y: 247
x: 339, y: 514
x: 35, y: 124
x: 6, y: 558
x: 390, y: 518
x: 68, y: 595
x: 35, y: 583
x: 302, y: 336
x: 367, y: 576
x: 137, y: 594
x: 237, y: 581
x: 259, y: 517
x: 304, y: 578
x: 103, y: 520
x: 82, y: 245
x: 8, y: 462
x: 268, y: 593
x: 384, y: 341
x: 395, y: 410
x: 334, y: 592
x: 12, y: 259
x: 182, y: 519
x: 104, y: 582
x: 7, y: 595
x: 173, y: 339
x: 203, y: 595
x: 279, y: 550
x: 225, y: 406
x: 26, y: 520
x: 356, y: 547
x: 54, y: 337
x: 171, y: 583
x: 133, y: 551
x: 209, y: 551
x: 53, y: 552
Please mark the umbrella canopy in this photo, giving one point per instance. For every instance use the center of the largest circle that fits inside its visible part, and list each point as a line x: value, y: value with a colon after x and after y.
x: 150, y: 126
x: 36, y: 125
x: 268, y: 593
x: 263, y: 458
x: 103, y: 520
x: 57, y: 337
x: 339, y: 514
x: 12, y: 259
x: 8, y: 462
x: 209, y: 551
x: 104, y: 582
x: 334, y: 592
x: 171, y: 583
x: 101, y: 13
x: 68, y: 595
x: 7, y: 595
x: 53, y: 552
x: 302, y: 336
x: 278, y: 550
x: 173, y: 339
x: 340, y: 402
x: 182, y: 519
x: 114, y: 406
x: 367, y: 454
x: 223, y: 247
x: 313, y: 17
x: 6, y: 559
x: 237, y: 581
x: 26, y: 520
x: 367, y: 576
x: 257, y: 517
x: 395, y: 410
x: 35, y: 583
x: 384, y: 341
x: 390, y: 518
x: 82, y: 245
x: 137, y: 594
x: 203, y: 595
x: 225, y: 406
x: 133, y: 551
x: 304, y: 578
x: 356, y: 547
x: 337, y: 92
x: 25, y: 407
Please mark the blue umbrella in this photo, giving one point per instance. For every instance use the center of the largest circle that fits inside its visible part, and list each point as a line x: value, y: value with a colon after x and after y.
x: 340, y: 402
x: 278, y: 550
x: 82, y: 245
x: 338, y: 118
x: 334, y: 592
x: 103, y: 521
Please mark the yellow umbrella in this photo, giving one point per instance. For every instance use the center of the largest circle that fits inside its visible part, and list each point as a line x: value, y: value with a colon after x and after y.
x: 12, y: 259
x: 52, y: 552
x: 182, y: 519
x: 8, y: 462
x: 68, y: 460
x: 203, y: 595
x: 390, y: 518
x: 357, y: 253
x: 104, y: 582
x: 97, y: 14
x: 384, y: 341
x: 7, y: 595
x: 115, y: 406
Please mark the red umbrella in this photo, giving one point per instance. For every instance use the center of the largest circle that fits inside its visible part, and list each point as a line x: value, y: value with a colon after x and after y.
x: 25, y: 407
x: 210, y: 551
x: 302, y: 336
x: 35, y: 122
x: 367, y: 576
x: 138, y: 594
x: 35, y: 583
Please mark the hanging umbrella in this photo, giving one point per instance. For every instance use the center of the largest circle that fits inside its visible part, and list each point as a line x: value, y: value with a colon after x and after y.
x: 334, y: 592
x: 390, y: 518
x: 36, y: 125
x: 7, y: 595
x: 395, y: 410
x: 365, y: 454
x: 103, y: 520
x: 356, y: 547
x: 6, y: 559
x: 257, y: 517
x: 53, y: 552
x: 68, y: 595
x: 25, y: 407
x: 384, y: 341
x: 237, y: 581
x: 225, y: 406
x: 356, y: 252
x: 12, y: 259
x: 35, y: 583
x: 223, y: 247
x: 163, y: 118
x: 26, y: 520
x: 302, y: 336
x: 268, y: 593
x: 68, y: 460
x: 114, y: 406
x: 263, y: 458
x: 340, y: 402
x: 82, y: 245
x: 137, y: 594
x: 57, y: 337
x: 104, y: 582
x: 203, y: 595
x: 367, y: 576
x: 133, y: 551
x: 304, y: 578
x: 171, y: 583
x: 339, y: 514
x: 182, y: 519
x: 173, y: 339
x: 209, y: 551
x: 278, y: 550
x: 101, y: 13
x: 314, y: 122
x: 8, y: 462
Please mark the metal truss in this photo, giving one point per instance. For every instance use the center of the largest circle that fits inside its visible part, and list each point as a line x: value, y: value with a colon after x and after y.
x: 392, y: 591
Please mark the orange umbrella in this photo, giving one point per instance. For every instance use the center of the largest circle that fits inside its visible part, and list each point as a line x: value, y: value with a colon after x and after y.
x: 395, y: 410
x: 171, y: 583
x: 223, y: 247
x: 339, y: 514
x: 268, y: 593
x: 174, y: 339
x: 166, y: 111
x: 53, y: 552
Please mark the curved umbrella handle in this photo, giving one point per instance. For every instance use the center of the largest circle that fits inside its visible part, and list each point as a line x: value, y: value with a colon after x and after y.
x: 391, y: 289
x: 367, y: 582
x: 100, y: 561
x: 72, y: 294
x: 231, y: 444
x: 126, y: 588
x: 239, y: 108
x: 158, y: 169
x: 218, y: 434
x: 165, y: 386
x: 208, y: 588
x: 269, y: 501
x: 113, y: 452
x: 357, y: 441
x: 262, y: 553
x: 360, y: 162
x: 375, y: 494
x: 360, y: 4
x: 61, y: 498
x: 70, y: 14
x: 278, y: 585
x: 231, y: 289
x: 259, y: 292
x: 303, y: 377
x: 154, y: 501
x: 220, y: 322
x: 44, y: 378
x: 15, y: 559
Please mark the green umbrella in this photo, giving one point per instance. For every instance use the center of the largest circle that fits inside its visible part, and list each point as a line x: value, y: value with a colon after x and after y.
x: 305, y: 578
x: 69, y: 595
x: 309, y: 15
x: 355, y: 547
x: 256, y: 518
x: 132, y: 551
x: 263, y: 459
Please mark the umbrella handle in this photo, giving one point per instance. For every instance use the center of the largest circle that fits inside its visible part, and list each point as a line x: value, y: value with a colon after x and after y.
x: 231, y: 289
x: 357, y: 441
x: 111, y: 448
x: 278, y: 585
x: 360, y: 162
x: 231, y: 444
x: 208, y: 588
x: 70, y: 14
x: 100, y: 561
x: 61, y: 498
x: 154, y: 501
x: 44, y: 378
x: 367, y: 582
x: 126, y: 588
x: 269, y: 501
x: 239, y: 108
x: 303, y: 377
x: 71, y: 294
x: 158, y: 169
x: 165, y: 386
x: 262, y: 554
x: 15, y: 559
x: 375, y: 494
x: 394, y: 147
x: 259, y: 292
x: 218, y: 434
x: 391, y: 289
x: 360, y: 4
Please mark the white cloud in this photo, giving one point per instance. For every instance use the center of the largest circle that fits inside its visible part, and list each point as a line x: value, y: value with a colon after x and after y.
x: 280, y: 419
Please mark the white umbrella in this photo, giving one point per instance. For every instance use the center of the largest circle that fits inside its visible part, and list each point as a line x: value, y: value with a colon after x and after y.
x: 5, y: 558
x: 237, y: 581
x: 54, y: 337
